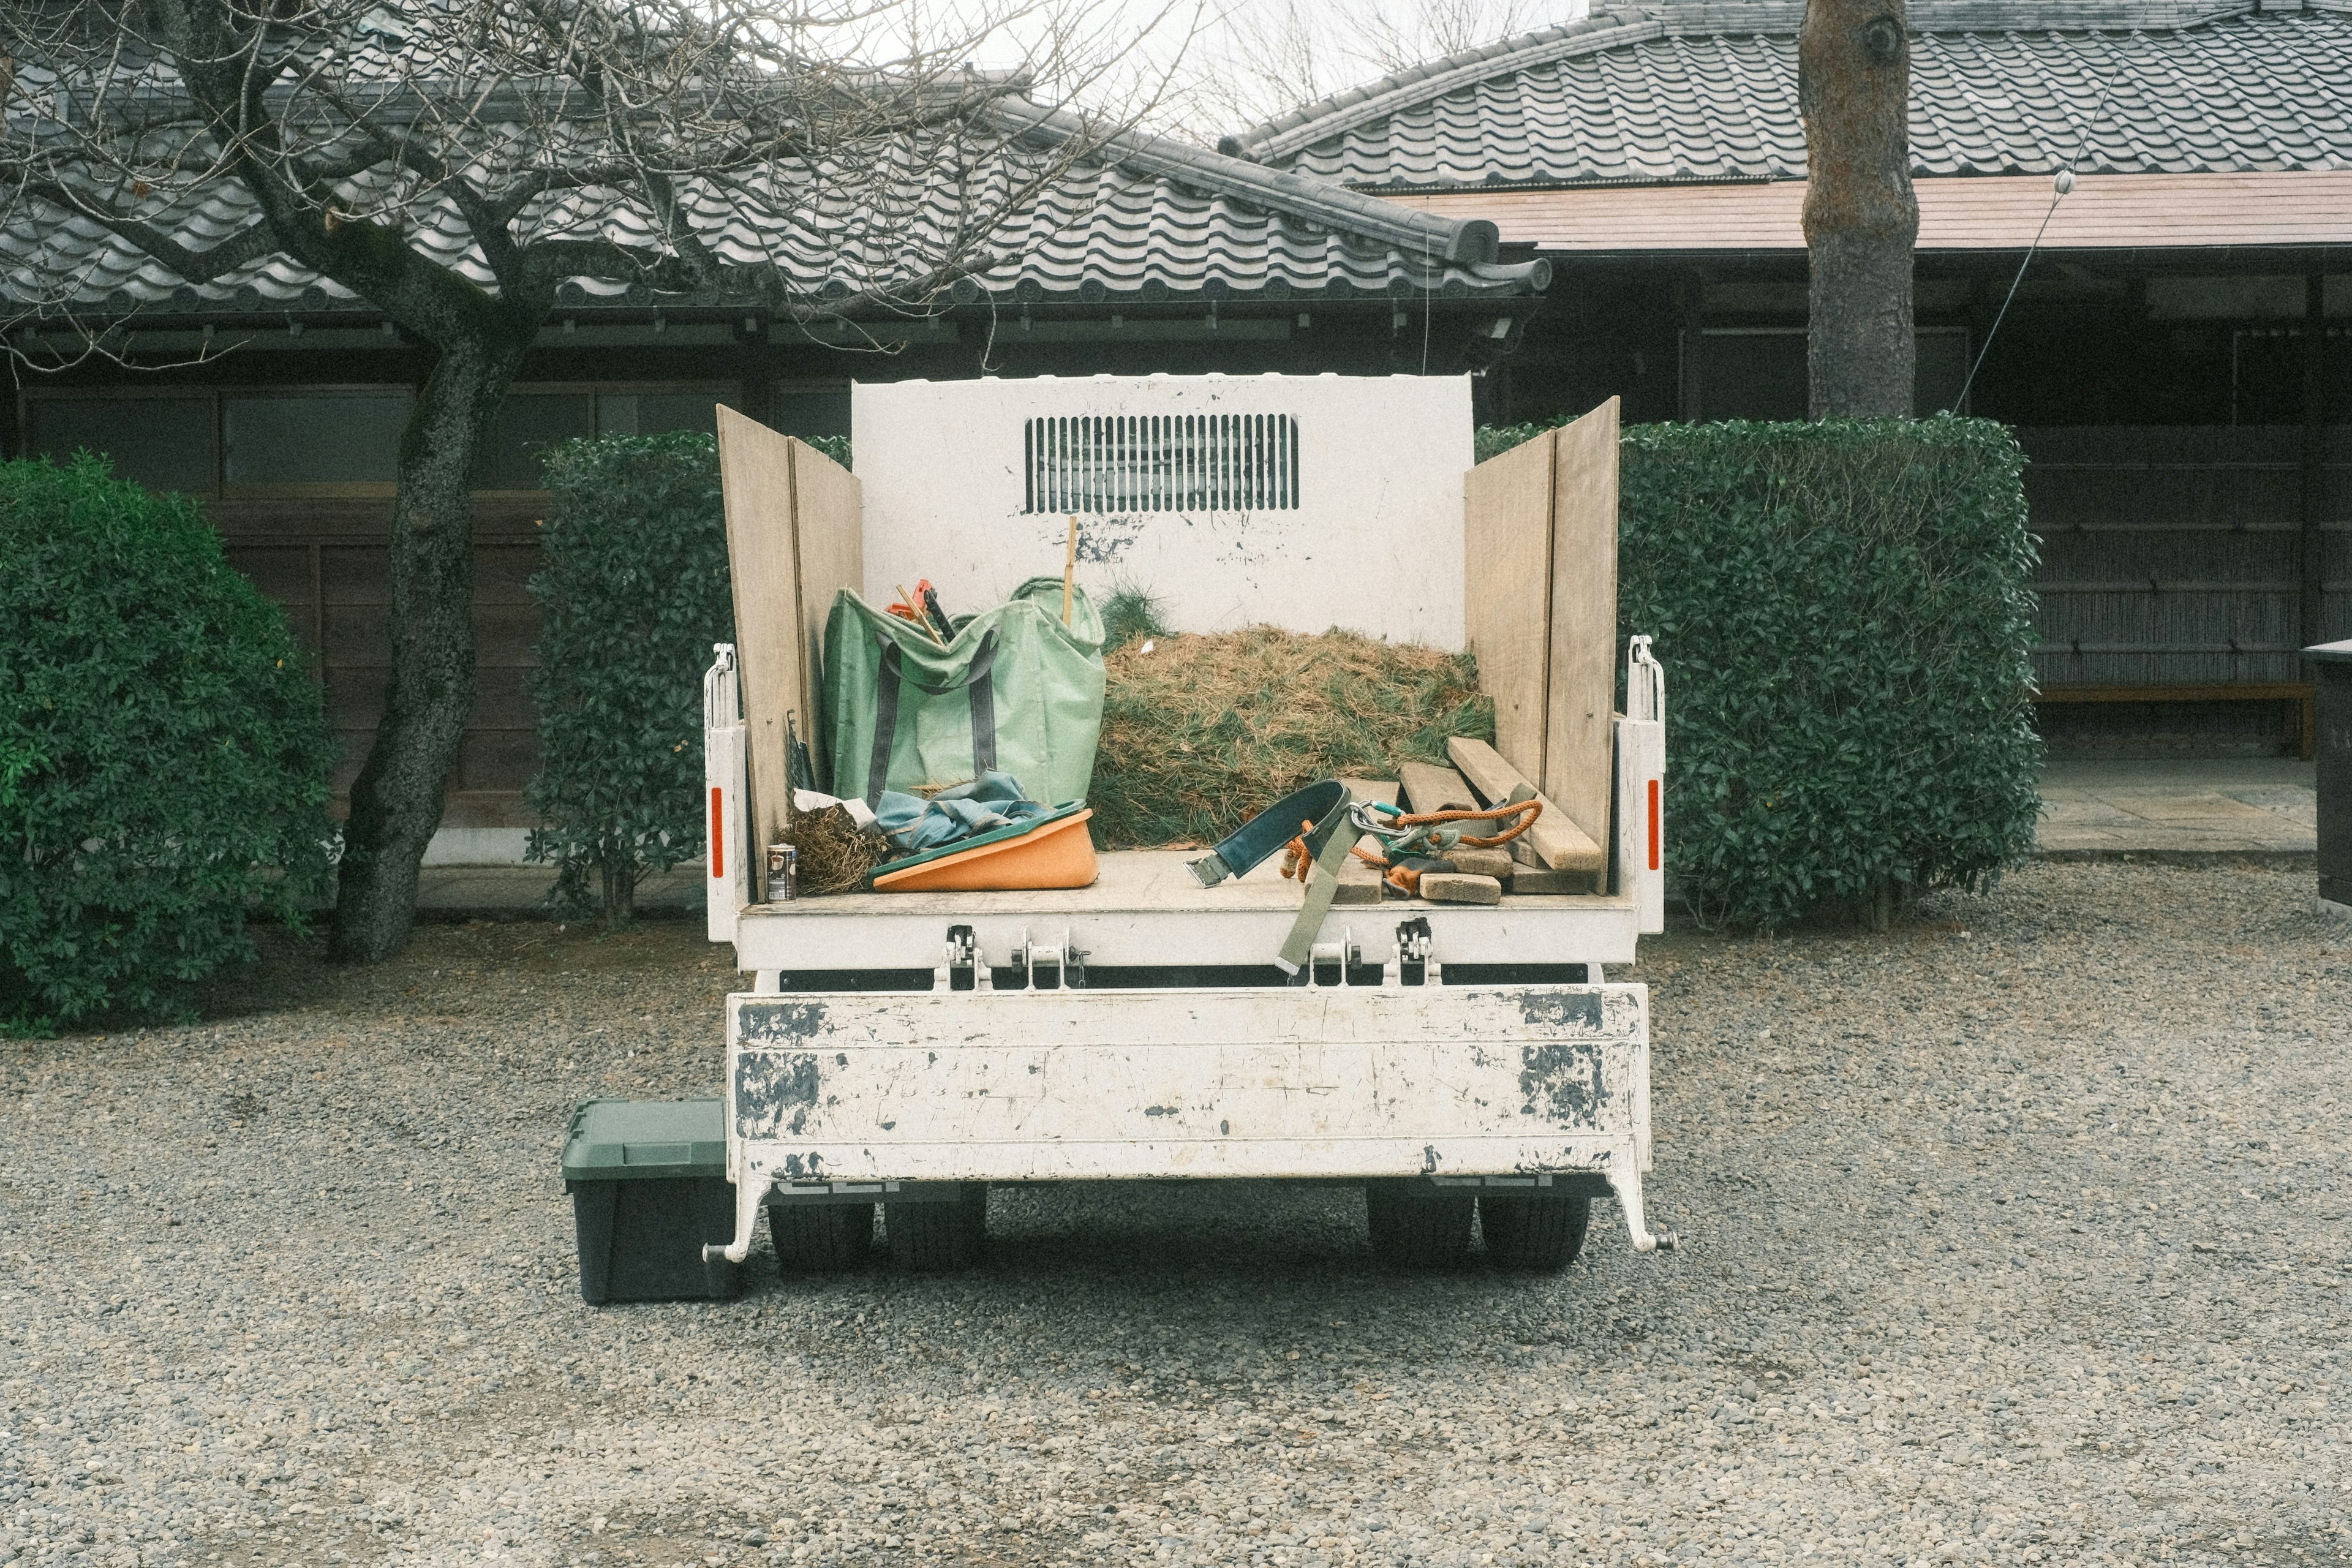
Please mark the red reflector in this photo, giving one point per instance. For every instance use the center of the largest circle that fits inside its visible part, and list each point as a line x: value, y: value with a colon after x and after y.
x: 718, y: 835
x: 1654, y: 824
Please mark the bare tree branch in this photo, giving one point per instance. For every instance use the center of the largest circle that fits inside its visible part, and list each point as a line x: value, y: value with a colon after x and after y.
x: 456, y: 164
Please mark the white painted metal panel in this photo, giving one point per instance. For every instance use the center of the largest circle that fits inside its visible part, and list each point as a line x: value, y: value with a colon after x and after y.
x: 1641, y: 787
x: 1145, y: 909
x: 1335, y: 1083
x: 726, y: 862
x: 1228, y: 525
x: 1352, y: 1082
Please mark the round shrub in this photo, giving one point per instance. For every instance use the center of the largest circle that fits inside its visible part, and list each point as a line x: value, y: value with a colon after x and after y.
x: 164, y: 758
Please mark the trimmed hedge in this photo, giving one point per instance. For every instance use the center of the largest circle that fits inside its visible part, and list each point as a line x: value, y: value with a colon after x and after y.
x: 163, y: 759
x: 634, y: 593
x: 1843, y: 611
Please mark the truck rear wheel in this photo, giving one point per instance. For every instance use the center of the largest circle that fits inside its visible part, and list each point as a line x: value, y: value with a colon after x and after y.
x: 821, y: 1238
x: 938, y: 1237
x: 1541, y: 1232
x: 1416, y: 1226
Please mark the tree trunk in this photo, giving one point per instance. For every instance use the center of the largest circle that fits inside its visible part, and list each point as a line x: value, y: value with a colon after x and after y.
x: 396, y: 799
x: 620, y: 887
x: 1854, y: 85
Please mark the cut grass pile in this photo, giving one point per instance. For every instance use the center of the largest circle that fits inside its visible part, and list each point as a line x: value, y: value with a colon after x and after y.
x: 1206, y: 729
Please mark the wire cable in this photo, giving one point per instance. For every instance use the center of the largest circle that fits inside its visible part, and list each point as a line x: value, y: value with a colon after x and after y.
x: 2060, y: 185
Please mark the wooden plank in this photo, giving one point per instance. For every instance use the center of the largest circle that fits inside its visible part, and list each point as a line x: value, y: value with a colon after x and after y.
x: 1428, y: 788
x: 764, y: 560
x: 1473, y: 862
x: 1561, y: 843
x: 1578, y: 737
x: 1537, y: 881
x: 828, y: 525
x: 1359, y: 883
x: 1380, y: 791
x: 1454, y: 887
x: 1506, y: 515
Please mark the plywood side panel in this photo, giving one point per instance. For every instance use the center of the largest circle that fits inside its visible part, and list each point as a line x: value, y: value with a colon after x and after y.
x: 828, y: 510
x: 763, y: 560
x: 1576, y: 772
x: 1508, y: 541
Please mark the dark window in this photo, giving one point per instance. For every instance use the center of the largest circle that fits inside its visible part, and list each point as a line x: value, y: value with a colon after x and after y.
x: 814, y: 411
x: 1761, y: 373
x: 2266, y: 376
x: 319, y: 438
x: 166, y: 443
x: 1753, y: 374
x: 1940, y: 370
x: 657, y: 413
x: 530, y: 423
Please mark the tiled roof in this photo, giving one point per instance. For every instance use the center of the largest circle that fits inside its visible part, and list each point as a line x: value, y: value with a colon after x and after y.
x: 1149, y: 220
x: 1708, y: 92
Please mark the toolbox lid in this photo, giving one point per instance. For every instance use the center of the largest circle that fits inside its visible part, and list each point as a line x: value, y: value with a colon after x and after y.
x: 646, y: 1140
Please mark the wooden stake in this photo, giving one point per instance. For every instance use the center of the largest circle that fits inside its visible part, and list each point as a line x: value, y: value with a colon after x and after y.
x: 922, y: 616
x: 1070, y: 569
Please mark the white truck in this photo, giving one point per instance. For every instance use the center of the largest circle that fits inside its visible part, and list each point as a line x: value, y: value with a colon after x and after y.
x: 913, y: 1049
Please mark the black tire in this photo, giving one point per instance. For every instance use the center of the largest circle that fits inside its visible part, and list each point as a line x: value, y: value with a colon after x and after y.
x: 1416, y: 1226
x: 1540, y: 1232
x: 821, y: 1238
x: 938, y: 1237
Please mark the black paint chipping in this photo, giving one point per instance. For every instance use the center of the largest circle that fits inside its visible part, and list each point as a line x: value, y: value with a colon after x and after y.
x: 775, y: 1092
x: 763, y: 1022
x: 1563, y: 1082
x: 1561, y: 1009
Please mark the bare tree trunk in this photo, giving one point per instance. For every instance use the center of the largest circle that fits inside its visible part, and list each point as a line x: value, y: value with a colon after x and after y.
x: 396, y: 799
x: 1854, y: 84
x: 620, y: 889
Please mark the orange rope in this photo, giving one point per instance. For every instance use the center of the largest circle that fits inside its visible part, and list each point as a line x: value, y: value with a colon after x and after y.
x: 1406, y: 879
x: 1298, y: 860
x: 1525, y: 810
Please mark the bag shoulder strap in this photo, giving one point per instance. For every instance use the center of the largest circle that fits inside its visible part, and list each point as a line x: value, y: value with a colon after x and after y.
x: 978, y: 681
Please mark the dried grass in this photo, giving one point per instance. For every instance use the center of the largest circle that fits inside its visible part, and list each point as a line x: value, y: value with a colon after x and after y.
x: 836, y: 856
x: 1207, y: 730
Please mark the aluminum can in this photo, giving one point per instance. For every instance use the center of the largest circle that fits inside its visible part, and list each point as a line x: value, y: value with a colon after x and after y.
x: 783, y: 873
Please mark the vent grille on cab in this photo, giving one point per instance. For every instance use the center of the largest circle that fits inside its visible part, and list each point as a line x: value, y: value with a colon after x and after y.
x: 1160, y: 463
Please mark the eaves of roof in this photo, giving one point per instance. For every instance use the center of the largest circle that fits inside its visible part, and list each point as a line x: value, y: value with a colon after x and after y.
x: 2286, y: 210
x: 1141, y: 218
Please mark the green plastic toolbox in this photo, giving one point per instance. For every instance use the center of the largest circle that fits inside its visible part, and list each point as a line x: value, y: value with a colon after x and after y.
x: 648, y: 1186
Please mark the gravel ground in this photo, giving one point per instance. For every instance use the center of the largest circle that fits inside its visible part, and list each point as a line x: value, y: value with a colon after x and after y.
x: 2015, y: 1236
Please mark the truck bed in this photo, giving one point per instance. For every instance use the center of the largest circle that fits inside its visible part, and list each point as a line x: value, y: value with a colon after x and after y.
x: 1147, y: 910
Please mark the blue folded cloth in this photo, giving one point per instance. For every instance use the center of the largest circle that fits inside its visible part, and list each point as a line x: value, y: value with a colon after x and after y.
x: 913, y: 825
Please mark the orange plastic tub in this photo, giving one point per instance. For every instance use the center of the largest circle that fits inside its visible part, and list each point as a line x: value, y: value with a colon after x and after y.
x: 1057, y: 852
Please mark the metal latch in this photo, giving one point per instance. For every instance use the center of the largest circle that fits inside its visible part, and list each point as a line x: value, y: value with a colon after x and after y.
x: 964, y: 971
x: 1413, y: 964
x: 1334, y: 958
x: 1052, y: 967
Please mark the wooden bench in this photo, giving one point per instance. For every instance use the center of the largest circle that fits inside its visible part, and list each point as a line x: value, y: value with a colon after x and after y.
x: 2297, y: 695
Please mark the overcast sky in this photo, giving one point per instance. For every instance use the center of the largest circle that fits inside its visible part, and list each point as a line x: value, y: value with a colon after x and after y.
x: 1227, y: 64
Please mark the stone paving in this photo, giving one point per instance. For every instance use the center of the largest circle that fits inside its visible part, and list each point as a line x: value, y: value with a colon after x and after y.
x: 2252, y: 805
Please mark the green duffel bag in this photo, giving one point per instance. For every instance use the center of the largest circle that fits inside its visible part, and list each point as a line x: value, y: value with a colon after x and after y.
x: 1013, y: 691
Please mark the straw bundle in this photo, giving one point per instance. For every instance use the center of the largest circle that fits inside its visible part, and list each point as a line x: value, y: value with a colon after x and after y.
x: 1206, y: 729
x: 836, y: 854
